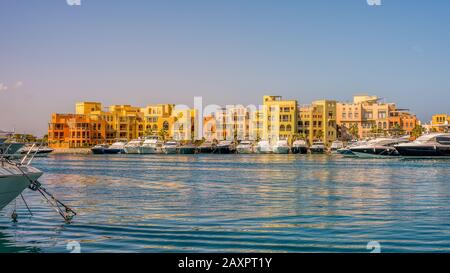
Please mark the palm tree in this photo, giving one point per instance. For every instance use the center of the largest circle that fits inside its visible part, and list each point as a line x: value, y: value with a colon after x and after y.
x: 397, y: 130
x: 163, y: 134
x: 149, y: 132
x: 354, y: 131
x: 417, y: 131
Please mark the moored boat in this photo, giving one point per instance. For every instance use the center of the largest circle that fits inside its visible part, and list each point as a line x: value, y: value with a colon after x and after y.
x: 14, y: 179
x: 99, y: 149
x: 264, y: 147
x: 171, y: 147
x: 318, y: 147
x: 335, y: 146
x: 225, y: 147
x: 245, y: 147
x: 436, y: 145
x: 151, y: 145
x: 187, y: 149
x: 115, y: 148
x: 11, y: 148
x: 281, y: 147
x: 206, y: 147
x: 133, y: 146
x: 378, y: 148
x: 36, y: 150
x: 299, y: 147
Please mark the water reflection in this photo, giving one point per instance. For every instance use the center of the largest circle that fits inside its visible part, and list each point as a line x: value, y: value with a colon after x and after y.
x: 238, y: 203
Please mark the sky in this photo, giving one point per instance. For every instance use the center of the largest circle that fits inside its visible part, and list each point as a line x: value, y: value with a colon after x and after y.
x: 142, y: 52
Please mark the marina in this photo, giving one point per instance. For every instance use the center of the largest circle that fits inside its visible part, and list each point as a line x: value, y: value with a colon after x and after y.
x: 235, y: 203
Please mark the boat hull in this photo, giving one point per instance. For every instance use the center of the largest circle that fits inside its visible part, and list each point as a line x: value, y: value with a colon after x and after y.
x: 170, y: 150
x: 205, y: 150
x: 317, y: 150
x: 375, y: 152
x: 281, y: 150
x: 13, y: 186
x: 150, y: 150
x: 113, y: 151
x: 187, y: 150
x: 224, y: 150
x: 10, y: 148
x: 264, y: 150
x: 299, y: 150
x: 424, y: 151
x: 98, y: 151
x: 244, y: 150
x: 132, y: 150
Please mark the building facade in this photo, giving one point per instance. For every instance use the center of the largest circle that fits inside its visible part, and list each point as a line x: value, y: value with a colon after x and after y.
x: 317, y: 122
x: 440, y: 123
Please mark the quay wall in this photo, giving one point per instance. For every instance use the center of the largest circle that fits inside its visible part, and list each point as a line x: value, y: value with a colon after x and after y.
x: 72, y: 151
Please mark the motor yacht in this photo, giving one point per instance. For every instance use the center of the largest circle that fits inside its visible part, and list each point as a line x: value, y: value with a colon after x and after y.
x: 171, y: 147
x: 245, y: 147
x: 133, y: 146
x: 299, y: 147
x: 335, y: 146
x: 116, y: 148
x: 225, y: 147
x: 10, y: 148
x: 206, y: 147
x: 187, y: 149
x: 151, y: 145
x: 318, y: 147
x: 264, y: 147
x: 379, y: 147
x: 435, y: 145
x: 346, y: 151
x: 99, y: 149
x: 14, y: 179
x: 36, y: 150
x: 281, y: 147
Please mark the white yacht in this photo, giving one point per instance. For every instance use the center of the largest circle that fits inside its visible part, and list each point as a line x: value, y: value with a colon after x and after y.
x: 36, y: 150
x: 245, y: 147
x: 171, y: 147
x: 378, y: 148
x: 299, y: 147
x: 116, y: 148
x: 318, y: 147
x: 133, y: 146
x: 13, y: 181
x: 335, y: 146
x: 151, y: 145
x: 436, y: 145
x: 281, y: 147
x: 264, y: 147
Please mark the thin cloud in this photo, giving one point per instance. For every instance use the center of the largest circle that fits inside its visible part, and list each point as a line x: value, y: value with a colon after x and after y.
x: 3, y: 87
x: 18, y: 85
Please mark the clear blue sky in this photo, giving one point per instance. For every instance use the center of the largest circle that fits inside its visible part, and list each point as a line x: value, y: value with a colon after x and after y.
x: 229, y: 52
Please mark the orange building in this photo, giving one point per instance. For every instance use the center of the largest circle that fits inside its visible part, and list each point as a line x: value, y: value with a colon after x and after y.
x: 401, y: 122
x: 76, y: 131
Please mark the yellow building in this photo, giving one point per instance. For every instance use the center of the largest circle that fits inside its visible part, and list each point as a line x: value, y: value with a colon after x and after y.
x: 158, y: 120
x: 440, y: 123
x: 280, y: 118
x: 318, y: 122
x: 184, y: 124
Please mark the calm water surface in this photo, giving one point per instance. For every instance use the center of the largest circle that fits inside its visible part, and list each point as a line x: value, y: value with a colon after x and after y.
x: 235, y: 203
